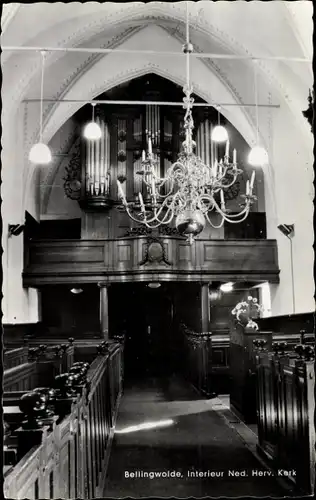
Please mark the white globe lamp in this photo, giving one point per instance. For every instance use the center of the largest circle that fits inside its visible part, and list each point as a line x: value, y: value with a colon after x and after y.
x: 92, y: 131
x: 40, y: 154
x: 219, y: 134
x: 258, y: 156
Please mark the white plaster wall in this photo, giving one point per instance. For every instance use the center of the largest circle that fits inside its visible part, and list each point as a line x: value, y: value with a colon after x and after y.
x: 293, y: 174
x: 19, y: 305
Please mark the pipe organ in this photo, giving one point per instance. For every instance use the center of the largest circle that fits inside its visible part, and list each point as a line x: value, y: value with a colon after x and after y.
x: 118, y: 154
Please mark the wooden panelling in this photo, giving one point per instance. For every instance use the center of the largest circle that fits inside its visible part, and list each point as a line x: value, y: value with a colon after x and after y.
x: 124, y: 253
x: 243, y: 255
x: 69, y: 261
x: 185, y: 254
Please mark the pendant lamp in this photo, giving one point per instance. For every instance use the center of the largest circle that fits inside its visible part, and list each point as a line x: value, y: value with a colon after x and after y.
x: 92, y: 130
x: 258, y: 156
x: 40, y: 153
x: 219, y: 133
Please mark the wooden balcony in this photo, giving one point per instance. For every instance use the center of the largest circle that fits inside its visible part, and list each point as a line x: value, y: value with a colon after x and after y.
x: 145, y: 259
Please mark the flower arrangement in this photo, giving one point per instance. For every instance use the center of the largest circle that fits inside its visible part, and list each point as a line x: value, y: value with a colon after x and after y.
x: 246, y: 311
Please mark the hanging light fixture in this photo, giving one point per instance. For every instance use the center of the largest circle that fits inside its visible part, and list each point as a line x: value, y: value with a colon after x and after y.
x: 92, y: 130
x: 227, y: 287
x: 219, y: 133
x: 40, y: 153
x: 76, y: 291
x: 194, y: 188
x: 258, y: 156
x: 154, y: 284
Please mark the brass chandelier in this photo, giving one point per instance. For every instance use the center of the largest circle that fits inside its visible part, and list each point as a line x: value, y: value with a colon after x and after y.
x: 191, y: 189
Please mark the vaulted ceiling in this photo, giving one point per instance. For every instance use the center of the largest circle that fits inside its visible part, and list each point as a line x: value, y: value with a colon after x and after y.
x: 280, y: 28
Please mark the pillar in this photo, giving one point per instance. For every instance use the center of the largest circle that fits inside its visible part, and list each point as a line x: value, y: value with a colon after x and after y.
x: 104, y: 310
x: 205, y: 308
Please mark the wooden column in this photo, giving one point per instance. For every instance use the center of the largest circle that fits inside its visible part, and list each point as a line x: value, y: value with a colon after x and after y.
x: 104, y: 310
x: 205, y: 308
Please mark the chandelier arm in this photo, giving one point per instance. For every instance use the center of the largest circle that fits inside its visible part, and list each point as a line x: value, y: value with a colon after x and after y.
x: 230, y: 218
x: 157, y: 214
x: 223, y: 177
x: 169, y: 192
x: 213, y: 225
x: 134, y: 218
x: 206, y: 207
x: 231, y: 221
x: 222, y: 212
x: 155, y: 217
x: 161, y: 181
x: 241, y: 213
x: 150, y: 223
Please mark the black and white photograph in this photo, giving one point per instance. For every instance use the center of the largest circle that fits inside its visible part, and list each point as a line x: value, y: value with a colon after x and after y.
x: 158, y: 293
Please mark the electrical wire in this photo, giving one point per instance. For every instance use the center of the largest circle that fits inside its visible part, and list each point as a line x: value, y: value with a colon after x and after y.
x: 43, y: 53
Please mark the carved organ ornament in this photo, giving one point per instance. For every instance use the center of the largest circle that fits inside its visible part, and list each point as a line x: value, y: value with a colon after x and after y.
x: 92, y: 173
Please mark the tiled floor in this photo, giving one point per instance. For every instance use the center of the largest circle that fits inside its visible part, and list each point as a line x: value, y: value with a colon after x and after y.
x: 201, y: 445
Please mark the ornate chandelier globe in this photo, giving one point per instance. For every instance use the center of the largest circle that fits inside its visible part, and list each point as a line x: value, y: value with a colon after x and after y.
x: 191, y: 189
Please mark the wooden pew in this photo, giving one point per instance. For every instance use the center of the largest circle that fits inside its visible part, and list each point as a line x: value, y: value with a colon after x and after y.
x: 286, y: 405
x: 36, y: 367
x: 21, y: 378
x: 220, y: 364
x: 14, y: 357
x: 197, y: 351
x: 70, y: 459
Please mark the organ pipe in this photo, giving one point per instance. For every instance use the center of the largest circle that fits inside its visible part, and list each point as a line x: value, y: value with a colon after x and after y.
x: 102, y: 159
x: 98, y: 161
x: 205, y: 148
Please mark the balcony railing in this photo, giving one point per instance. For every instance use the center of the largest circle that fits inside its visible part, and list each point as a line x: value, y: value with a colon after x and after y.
x: 147, y: 258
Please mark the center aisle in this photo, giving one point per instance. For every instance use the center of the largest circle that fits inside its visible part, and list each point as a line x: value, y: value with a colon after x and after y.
x: 196, y: 440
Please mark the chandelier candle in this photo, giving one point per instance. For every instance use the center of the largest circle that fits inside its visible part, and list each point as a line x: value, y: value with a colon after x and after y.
x: 149, y: 146
x: 227, y: 149
x: 252, y: 180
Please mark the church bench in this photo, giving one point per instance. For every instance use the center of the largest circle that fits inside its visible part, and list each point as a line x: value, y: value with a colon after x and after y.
x: 220, y: 371
x: 209, y: 366
x: 21, y: 377
x: 69, y: 460
x: 14, y: 357
x: 197, y: 352
x: 286, y: 405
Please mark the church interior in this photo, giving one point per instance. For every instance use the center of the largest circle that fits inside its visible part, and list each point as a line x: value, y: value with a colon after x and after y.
x: 157, y: 249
